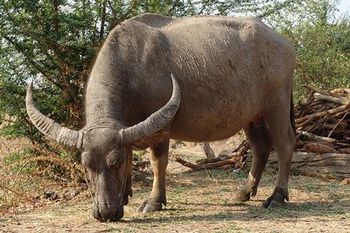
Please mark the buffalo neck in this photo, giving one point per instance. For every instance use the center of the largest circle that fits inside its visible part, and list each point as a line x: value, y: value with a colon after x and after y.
x: 104, y: 89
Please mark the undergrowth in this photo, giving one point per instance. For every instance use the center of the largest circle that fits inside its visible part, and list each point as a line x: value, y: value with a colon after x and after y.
x: 32, y: 174
x: 26, y: 174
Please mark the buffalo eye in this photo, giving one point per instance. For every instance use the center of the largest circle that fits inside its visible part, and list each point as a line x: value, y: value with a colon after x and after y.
x: 88, y: 161
x: 115, y: 157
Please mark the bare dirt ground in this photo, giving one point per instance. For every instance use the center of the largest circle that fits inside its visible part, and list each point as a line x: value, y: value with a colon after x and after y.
x: 8, y: 146
x: 202, y: 201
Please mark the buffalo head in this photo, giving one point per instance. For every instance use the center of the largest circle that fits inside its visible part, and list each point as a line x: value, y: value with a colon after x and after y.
x: 106, y: 152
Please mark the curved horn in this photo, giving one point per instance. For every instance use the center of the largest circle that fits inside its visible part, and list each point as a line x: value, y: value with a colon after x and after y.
x: 49, y: 127
x: 156, y: 121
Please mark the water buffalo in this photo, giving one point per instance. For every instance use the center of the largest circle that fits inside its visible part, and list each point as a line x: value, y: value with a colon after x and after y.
x: 192, y: 79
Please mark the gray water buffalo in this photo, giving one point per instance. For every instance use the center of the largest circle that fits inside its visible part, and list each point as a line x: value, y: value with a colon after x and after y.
x: 192, y: 79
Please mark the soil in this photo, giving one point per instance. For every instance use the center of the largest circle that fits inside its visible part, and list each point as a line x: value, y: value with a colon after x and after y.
x: 202, y: 201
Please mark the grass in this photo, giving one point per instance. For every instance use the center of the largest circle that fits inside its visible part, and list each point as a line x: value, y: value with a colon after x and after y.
x: 25, y: 175
x: 202, y: 202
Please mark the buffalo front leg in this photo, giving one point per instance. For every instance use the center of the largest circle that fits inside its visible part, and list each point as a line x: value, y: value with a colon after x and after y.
x: 159, y: 162
x: 261, y: 144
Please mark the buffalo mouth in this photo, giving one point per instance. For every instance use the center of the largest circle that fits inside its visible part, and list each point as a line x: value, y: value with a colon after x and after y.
x: 107, y: 213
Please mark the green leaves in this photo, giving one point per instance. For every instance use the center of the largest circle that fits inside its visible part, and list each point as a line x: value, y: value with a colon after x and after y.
x: 322, y: 45
x: 54, y: 42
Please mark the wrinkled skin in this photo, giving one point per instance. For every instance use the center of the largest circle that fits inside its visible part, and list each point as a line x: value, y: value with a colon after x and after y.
x: 106, y: 172
x: 234, y: 74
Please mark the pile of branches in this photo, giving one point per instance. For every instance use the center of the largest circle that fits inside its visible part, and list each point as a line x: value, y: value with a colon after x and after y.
x: 323, y: 122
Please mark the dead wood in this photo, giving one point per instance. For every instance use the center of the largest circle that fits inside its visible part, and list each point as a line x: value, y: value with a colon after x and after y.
x: 300, y: 121
x: 338, y: 123
x: 227, y: 154
x: 319, y: 148
x: 316, y: 137
x: 329, y: 165
x: 209, y: 153
x: 196, y: 167
x: 337, y: 100
x: 344, y: 151
x: 345, y: 181
x: 235, y: 159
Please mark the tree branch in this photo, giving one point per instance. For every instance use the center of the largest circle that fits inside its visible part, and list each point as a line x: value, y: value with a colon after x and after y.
x: 103, y: 19
x: 337, y: 100
x: 301, y: 121
x: 31, y: 62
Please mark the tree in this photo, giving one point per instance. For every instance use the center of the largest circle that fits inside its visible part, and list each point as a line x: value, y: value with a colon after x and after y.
x: 54, y: 42
x: 322, y: 44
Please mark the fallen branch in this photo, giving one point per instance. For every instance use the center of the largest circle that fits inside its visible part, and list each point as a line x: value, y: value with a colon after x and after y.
x: 15, y: 192
x: 337, y: 100
x: 197, y: 167
x: 3, y: 143
x: 330, y: 133
x: 319, y: 148
x: 315, y: 137
x: 236, y: 159
x: 301, y: 121
x: 331, y: 165
x: 224, y: 155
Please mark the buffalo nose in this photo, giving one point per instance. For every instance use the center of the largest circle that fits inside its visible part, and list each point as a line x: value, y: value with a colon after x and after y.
x: 106, y: 213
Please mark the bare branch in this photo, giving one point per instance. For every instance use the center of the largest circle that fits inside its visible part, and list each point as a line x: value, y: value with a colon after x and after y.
x: 31, y: 61
x: 316, y: 137
x: 103, y: 19
x: 301, y: 121
x: 337, y: 100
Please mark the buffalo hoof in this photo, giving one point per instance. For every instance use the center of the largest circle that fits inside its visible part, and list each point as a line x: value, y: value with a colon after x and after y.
x: 242, y: 196
x: 147, y: 207
x: 277, y: 199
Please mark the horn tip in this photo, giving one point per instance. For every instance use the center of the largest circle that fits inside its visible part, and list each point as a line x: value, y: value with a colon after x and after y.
x: 30, y: 85
x: 29, y: 91
x: 30, y: 88
x: 173, y: 79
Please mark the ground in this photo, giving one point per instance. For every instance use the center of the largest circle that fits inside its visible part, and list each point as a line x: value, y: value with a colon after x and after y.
x: 202, y: 201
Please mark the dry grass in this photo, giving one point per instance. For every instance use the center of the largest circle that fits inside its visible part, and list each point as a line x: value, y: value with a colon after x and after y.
x: 202, y: 202
x: 26, y: 173
x: 199, y: 201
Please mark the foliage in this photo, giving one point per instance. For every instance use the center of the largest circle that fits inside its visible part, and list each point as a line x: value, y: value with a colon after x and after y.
x: 53, y: 43
x: 323, y: 62
x: 322, y: 43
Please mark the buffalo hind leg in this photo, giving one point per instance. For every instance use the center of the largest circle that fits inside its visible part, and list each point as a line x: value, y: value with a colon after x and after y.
x: 159, y: 162
x: 261, y: 144
x: 283, y: 137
